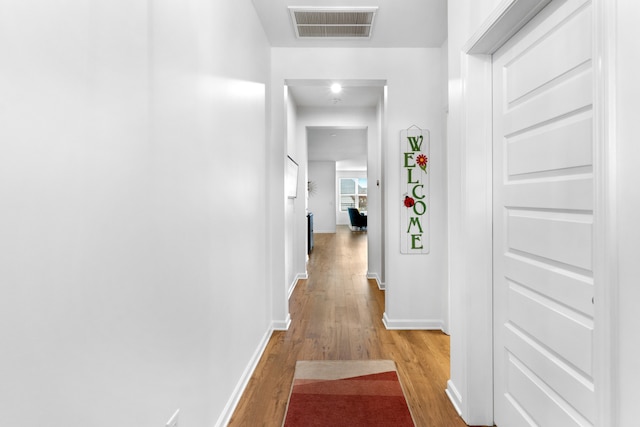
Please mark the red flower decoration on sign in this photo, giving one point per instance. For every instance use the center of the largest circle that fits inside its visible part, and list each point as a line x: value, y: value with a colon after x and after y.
x: 421, y: 161
x: 409, y: 202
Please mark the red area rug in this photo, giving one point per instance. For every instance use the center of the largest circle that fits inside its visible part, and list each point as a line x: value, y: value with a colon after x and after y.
x: 345, y: 393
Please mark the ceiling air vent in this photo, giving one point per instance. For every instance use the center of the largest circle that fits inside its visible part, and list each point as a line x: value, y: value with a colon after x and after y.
x: 336, y: 22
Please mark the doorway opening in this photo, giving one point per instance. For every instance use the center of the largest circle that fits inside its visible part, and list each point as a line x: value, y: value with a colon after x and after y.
x: 336, y: 137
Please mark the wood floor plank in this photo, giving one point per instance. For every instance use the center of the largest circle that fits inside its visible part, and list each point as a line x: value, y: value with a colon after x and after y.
x: 337, y: 315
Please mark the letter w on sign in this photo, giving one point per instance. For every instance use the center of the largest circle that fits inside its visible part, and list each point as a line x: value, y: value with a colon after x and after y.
x: 415, y: 142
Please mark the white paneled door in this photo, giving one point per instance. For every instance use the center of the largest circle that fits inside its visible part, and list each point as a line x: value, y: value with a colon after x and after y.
x: 543, y: 217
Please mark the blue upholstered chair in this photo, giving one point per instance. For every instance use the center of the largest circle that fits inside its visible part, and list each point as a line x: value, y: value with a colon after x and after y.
x: 357, y: 219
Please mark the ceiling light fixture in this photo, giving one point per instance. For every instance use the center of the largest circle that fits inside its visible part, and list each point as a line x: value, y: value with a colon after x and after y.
x: 336, y: 88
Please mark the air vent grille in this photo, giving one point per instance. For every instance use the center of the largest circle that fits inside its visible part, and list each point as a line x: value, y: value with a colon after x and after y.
x: 333, y: 23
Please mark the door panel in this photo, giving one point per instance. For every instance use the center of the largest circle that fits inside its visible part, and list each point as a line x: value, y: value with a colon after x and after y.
x: 565, y: 52
x: 567, y: 97
x: 550, y: 409
x: 552, y: 324
x: 565, y: 143
x: 543, y: 220
x: 561, y: 285
x: 568, y: 193
x: 576, y: 392
x: 561, y: 237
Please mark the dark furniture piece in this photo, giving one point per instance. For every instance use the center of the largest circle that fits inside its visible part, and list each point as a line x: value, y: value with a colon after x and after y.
x: 357, y: 219
x: 309, y: 232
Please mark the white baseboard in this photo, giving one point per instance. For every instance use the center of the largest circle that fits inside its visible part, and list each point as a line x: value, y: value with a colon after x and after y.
x: 280, y: 325
x: 412, y: 324
x: 454, y: 397
x: 292, y: 286
x: 377, y: 279
x: 227, y: 412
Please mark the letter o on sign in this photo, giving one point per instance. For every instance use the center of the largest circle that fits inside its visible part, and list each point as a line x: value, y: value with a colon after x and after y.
x: 419, y: 208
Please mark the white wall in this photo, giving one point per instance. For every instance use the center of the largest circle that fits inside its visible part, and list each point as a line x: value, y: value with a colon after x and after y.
x: 444, y: 81
x: 627, y: 111
x: 295, y: 209
x: 323, y: 202
x: 469, y: 201
x: 124, y: 246
x: 374, y: 160
x: 416, y: 284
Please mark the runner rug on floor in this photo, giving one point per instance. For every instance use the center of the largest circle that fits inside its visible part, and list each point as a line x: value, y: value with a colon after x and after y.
x: 350, y: 393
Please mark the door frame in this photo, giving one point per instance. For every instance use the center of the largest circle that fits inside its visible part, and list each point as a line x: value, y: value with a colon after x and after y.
x: 506, y: 20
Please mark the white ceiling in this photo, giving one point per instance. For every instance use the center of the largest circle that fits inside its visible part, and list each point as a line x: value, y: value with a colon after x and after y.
x: 355, y: 93
x: 345, y: 146
x: 398, y: 23
x: 316, y: 96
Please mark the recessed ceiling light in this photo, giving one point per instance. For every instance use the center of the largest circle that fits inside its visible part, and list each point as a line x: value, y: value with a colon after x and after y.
x: 336, y: 88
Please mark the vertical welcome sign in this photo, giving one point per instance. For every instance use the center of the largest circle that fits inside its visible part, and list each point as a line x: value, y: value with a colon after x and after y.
x: 414, y: 188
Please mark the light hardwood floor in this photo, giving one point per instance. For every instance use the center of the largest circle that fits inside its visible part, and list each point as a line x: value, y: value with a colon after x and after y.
x: 337, y: 314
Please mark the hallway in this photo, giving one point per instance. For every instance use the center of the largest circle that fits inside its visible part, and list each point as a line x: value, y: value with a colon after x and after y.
x: 337, y: 315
